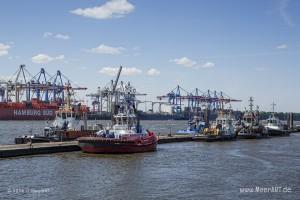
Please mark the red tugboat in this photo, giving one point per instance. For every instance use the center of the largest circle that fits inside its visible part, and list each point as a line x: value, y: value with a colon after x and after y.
x: 123, y: 137
x: 126, y: 134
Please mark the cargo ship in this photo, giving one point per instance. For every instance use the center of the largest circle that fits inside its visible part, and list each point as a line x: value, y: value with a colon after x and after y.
x: 27, y: 97
x: 33, y: 110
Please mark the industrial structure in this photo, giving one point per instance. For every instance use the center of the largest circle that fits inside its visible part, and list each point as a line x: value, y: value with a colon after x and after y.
x: 102, y: 99
x: 179, y: 98
x: 35, y: 97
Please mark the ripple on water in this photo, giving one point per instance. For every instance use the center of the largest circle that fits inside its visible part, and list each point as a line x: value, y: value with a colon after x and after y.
x: 188, y: 170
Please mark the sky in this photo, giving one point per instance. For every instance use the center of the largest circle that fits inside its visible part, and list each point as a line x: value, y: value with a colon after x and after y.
x: 244, y: 48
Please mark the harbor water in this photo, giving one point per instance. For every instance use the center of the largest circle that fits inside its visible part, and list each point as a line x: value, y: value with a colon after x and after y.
x: 11, y: 129
x: 242, y: 169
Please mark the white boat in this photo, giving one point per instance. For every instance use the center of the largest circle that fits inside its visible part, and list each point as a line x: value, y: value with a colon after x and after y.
x: 250, y: 126
x: 274, y: 126
x: 70, y: 123
x: 221, y: 129
x: 195, y: 126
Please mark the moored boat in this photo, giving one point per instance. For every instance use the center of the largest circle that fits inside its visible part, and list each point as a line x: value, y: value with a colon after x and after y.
x: 70, y: 123
x: 221, y: 129
x: 250, y: 124
x: 195, y: 126
x: 274, y: 126
x: 125, y: 135
x: 119, y: 139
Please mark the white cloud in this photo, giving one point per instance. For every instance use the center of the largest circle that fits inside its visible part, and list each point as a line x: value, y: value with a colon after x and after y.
x: 47, y: 34
x: 62, y: 36
x: 43, y: 58
x: 184, y: 61
x: 4, y: 49
x: 208, y: 65
x: 131, y: 71
x: 56, y: 36
x: 126, y: 71
x: 282, y: 46
x: 104, y: 49
x: 111, y: 9
x: 283, y: 5
x: 153, y: 72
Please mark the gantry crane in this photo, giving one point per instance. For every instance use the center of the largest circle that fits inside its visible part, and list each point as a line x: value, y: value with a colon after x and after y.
x: 196, y: 99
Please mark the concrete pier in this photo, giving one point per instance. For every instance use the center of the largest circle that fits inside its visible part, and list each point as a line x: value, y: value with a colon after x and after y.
x: 15, y: 150
x: 37, y: 148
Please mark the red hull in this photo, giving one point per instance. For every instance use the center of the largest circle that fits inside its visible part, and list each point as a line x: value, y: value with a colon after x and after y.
x: 107, y: 145
x: 27, y: 114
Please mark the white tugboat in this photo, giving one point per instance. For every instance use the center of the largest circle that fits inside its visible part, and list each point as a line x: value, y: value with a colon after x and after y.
x: 250, y: 126
x: 70, y: 123
x: 274, y: 126
x: 221, y: 129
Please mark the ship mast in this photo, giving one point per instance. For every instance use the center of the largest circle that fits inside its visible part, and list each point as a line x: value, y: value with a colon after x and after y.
x: 251, y: 104
x: 273, y: 107
x: 68, y: 105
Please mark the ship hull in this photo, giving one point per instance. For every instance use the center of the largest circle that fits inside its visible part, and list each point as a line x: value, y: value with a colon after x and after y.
x: 111, y: 146
x: 59, y: 137
x: 278, y: 132
x: 27, y: 114
x: 254, y: 133
x: 252, y: 136
x: 214, y: 138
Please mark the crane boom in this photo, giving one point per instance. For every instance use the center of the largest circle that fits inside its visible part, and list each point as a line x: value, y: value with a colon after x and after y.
x: 117, y: 79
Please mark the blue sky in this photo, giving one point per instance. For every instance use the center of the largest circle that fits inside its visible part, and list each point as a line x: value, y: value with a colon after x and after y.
x: 245, y: 48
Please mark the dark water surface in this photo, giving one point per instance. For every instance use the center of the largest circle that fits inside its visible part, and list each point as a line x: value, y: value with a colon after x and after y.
x: 189, y: 170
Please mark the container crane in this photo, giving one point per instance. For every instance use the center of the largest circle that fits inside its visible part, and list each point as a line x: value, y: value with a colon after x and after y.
x: 196, y: 98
